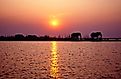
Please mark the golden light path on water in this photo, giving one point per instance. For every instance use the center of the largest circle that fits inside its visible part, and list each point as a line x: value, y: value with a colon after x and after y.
x: 54, y: 60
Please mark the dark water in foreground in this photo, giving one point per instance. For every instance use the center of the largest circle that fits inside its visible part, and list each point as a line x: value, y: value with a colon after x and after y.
x: 60, y: 60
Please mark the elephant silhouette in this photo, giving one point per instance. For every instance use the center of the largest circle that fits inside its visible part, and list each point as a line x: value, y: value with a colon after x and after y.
x: 96, y: 36
x: 76, y: 36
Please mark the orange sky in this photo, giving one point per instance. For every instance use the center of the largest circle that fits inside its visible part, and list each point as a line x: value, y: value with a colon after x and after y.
x: 72, y: 14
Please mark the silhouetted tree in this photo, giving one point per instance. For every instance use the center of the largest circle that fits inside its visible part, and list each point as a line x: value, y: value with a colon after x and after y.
x: 2, y: 38
x: 19, y: 37
x: 32, y: 38
x: 46, y: 38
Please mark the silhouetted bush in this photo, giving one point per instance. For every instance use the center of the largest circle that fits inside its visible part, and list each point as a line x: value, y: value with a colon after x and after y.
x: 32, y: 38
x: 19, y: 37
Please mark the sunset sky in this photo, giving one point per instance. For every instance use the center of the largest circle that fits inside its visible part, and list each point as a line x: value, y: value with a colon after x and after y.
x: 60, y: 17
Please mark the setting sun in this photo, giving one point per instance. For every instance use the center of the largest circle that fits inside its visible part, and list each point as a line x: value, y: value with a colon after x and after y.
x: 54, y: 23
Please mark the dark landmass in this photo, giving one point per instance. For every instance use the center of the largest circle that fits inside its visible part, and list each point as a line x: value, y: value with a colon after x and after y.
x: 94, y: 36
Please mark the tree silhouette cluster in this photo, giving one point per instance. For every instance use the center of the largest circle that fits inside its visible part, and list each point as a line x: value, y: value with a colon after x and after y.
x: 21, y: 37
x: 94, y: 36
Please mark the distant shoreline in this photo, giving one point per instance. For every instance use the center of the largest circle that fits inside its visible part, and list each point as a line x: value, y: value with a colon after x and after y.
x: 59, y: 41
x: 73, y: 37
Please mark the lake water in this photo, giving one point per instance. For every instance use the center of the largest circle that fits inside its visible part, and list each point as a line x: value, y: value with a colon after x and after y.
x: 60, y: 60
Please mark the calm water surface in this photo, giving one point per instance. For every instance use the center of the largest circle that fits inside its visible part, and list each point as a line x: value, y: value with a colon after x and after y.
x: 60, y: 60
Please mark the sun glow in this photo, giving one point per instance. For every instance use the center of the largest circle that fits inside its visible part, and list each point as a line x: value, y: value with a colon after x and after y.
x: 54, y: 22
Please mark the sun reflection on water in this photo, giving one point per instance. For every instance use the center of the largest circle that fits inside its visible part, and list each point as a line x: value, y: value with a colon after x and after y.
x: 54, y: 60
